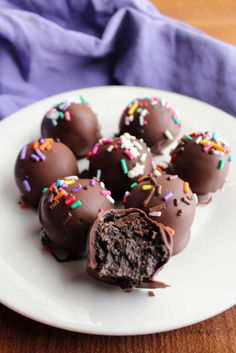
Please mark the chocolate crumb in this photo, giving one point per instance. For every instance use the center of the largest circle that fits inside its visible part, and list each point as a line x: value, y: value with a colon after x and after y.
x: 176, y: 202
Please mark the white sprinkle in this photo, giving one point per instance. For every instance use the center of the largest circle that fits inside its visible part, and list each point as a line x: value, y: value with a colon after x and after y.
x: 126, y: 120
x: 98, y: 174
x: 71, y: 177
x: 102, y: 185
x: 156, y: 172
x: 126, y: 135
x: 195, y: 198
x: 131, y: 118
x: 222, y: 187
x: 134, y: 152
x: 126, y: 194
x: 155, y: 214
x: 197, y: 141
x: 143, y: 112
x: 215, y: 152
x: 110, y: 148
x: 136, y: 170
x: 53, y: 114
x: 168, y: 135
x: 110, y: 199
x: 143, y: 157
x: 136, y: 144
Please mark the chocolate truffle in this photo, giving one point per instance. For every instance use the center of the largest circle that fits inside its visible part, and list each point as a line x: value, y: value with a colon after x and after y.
x: 67, y: 210
x: 166, y: 199
x: 40, y: 163
x: 74, y: 123
x: 153, y: 120
x: 119, y: 162
x: 203, y: 160
x: 127, y: 248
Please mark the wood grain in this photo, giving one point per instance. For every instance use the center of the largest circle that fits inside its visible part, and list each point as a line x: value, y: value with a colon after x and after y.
x: 215, y: 17
x: 216, y: 335
x: 21, y: 335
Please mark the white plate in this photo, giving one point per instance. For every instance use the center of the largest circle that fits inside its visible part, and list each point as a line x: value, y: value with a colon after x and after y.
x: 202, y: 277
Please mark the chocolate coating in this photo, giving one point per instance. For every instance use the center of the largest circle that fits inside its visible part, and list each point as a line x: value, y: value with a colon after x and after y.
x: 153, y: 120
x: 32, y: 176
x: 73, y: 123
x: 127, y: 248
x: 67, y: 227
x: 203, y: 166
x: 175, y: 209
x: 106, y: 159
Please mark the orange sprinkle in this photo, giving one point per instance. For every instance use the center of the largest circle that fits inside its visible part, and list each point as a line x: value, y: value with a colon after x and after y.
x: 44, y: 145
x: 89, y: 155
x: 186, y: 187
x: 59, y: 195
x: 159, y: 167
x: 141, y: 179
x: 219, y: 148
x: 151, y: 293
x: 35, y: 145
x: 172, y: 232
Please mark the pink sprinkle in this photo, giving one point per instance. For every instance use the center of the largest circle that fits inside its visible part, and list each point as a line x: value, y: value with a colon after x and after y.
x: 105, y: 192
x: 141, y: 104
x: 67, y: 115
x: 107, y: 141
x: 115, y: 147
x: 65, y: 193
x: 129, y: 154
x: 207, y: 147
x: 119, y: 142
x: 145, y: 104
x: 100, y: 210
x: 145, y: 122
x: 95, y: 149
x: 180, y: 124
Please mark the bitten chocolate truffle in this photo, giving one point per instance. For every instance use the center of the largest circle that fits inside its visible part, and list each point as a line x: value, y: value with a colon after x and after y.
x: 153, y: 120
x: 203, y: 160
x: 39, y: 163
x: 166, y: 199
x: 68, y: 208
x: 119, y: 162
x: 127, y: 248
x: 74, y: 123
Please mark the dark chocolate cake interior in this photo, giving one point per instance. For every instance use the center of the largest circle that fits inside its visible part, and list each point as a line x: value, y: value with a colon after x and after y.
x: 128, y: 248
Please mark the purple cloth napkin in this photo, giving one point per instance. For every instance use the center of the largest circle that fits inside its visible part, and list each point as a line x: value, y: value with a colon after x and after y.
x: 47, y: 47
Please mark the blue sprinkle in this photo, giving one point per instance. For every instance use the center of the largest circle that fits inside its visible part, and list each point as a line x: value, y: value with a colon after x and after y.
x: 58, y: 182
x: 54, y: 122
x: 175, y: 119
x: 214, y: 136
x: 230, y: 158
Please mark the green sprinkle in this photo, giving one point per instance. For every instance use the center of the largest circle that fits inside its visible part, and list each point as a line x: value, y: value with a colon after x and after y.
x: 45, y: 189
x: 83, y: 100
x: 61, y: 115
x: 133, y: 185
x: 175, y: 119
x: 188, y: 137
x: 124, y: 166
x: 221, y: 164
x: 76, y: 204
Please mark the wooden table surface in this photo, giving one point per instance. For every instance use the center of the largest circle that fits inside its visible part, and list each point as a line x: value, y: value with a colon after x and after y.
x: 216, y: 335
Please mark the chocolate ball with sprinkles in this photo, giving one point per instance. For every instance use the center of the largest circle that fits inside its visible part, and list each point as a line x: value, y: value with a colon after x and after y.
x: 74, y: 123
x: 203, y: 160
x: 66, y: 211
x: 127, y: 249
x: 166, y: 199
x: 119, y: 162
x: 39, y: 163
x: 153, y: 120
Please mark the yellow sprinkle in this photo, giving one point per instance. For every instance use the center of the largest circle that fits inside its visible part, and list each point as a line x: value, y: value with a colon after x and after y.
x: 218, y: 143
x: 133, y: 108
x: 69, y: 182
x: 147, y: 187
x: 172, y: 232
x: 217, y: 147
x: 186, y: 187
x: 205, y: 142
x: 58, y: 196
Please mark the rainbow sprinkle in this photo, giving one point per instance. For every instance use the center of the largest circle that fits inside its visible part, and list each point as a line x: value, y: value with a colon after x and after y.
x: 23, y: 152
x: 92, y: 182
x: 167, y: 196
x: 76, y: 204
x: 221, y: 164
x: 26, y: 185
x: 124, y: 166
